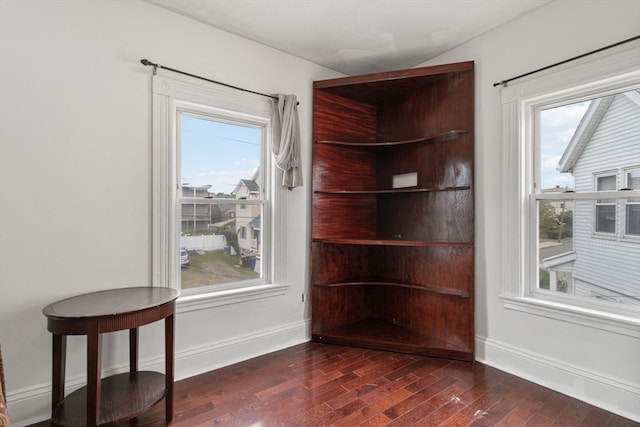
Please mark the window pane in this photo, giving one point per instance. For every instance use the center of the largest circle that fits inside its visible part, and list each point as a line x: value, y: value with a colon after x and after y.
x: 217, y: 154
x: 606, y: 218
x: 584, y: 145
x: 555, y: 231
x: 633, y: 179
x: 572, y: 260
x: 220, y: 166
x: 606, y: 183
x: 228, y: 251
x: 557, y: 126
x: 633, y: 219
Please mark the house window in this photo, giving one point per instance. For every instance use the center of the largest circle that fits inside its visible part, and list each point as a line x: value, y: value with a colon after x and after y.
x: 570, y: 138
x: 213, y: 179
x: 632, y: 207
x: 605, y: 220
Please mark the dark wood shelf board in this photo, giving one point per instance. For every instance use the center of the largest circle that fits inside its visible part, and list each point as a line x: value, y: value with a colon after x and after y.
x: 443, y: 290
x: 393, y: 190
x: 393, y: 242
x: 446, y: 136
x: 381, y: 335
x: 123, y: 397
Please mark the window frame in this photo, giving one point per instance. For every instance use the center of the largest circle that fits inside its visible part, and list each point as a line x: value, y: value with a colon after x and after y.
x: 522, y: 102
x: 233, y: 118
x: 635, y: 202
x: 170, y: 97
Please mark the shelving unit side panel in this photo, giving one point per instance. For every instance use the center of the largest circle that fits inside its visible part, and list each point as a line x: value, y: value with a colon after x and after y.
x: 444, y: 267
x: 344, y: 218
x: 440, y: 317
x: 438, y: 216
x: 336, y: 307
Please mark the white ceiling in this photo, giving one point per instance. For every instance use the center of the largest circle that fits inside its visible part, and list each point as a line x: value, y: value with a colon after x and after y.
x: 356, y: 36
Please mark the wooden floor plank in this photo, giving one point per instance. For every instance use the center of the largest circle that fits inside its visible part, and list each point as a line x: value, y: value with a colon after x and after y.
x: 328, y: 385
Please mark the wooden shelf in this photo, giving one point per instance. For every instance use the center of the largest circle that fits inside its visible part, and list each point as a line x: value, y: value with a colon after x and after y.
x: 124, y: 396
x: 453, y: 134
x: 392, y: 190
x: 381, y: 335
x: 393, y: 242
x: 443, y: 290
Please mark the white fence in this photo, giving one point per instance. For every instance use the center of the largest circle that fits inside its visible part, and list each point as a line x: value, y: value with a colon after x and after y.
x: 209, y: 242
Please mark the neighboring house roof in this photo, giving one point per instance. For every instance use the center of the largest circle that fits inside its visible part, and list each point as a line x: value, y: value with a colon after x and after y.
x: 556, y: 189
x: 559, y: 260
x: 195, y: 191
x: 223, y: 223
x: 249, y: 184
x: 255, y: 223
x: 587, y: 127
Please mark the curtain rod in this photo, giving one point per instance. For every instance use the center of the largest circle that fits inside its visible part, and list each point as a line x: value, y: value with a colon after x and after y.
x: 156, y: 66
x: 504, y: 82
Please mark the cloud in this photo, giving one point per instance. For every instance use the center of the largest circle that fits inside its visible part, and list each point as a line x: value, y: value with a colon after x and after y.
x: 557, y: 126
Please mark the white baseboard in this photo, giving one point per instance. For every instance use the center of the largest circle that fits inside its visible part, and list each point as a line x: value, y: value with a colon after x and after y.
x: 215, y: 355
x: 32, y: 405
x: 613, y: 395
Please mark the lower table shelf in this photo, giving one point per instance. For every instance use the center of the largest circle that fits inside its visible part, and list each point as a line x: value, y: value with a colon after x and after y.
x: 123, y: 397
x: 381, y: 335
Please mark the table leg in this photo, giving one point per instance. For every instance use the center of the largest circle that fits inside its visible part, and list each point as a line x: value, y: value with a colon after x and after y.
x: 94, y: 373
x: 169, y: 364
x: 58, y: 371
x: 133, y: 350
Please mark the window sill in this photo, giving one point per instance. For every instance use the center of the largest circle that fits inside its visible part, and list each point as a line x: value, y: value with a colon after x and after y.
x: 206, y: 300
x: 623, y: 324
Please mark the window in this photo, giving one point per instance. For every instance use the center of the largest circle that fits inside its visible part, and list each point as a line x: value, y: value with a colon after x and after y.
x: 213, y: 194
x: 571, y: 137
x: 220, y: 162
x: 605, y: 221
x: 632, y: 208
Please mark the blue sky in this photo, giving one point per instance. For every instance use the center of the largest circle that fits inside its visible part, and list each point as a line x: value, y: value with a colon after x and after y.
x: 556, y: 129
x: 218, y: 154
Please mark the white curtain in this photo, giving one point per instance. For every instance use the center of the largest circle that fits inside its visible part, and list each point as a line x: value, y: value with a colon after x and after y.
x: 286, y: 139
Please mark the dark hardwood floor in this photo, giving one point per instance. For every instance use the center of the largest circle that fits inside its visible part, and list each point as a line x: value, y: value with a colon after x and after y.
x: 324, y: 385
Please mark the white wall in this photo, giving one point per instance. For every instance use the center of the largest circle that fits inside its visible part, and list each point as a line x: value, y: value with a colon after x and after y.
x: 590, y: 364
x: 75, y: 165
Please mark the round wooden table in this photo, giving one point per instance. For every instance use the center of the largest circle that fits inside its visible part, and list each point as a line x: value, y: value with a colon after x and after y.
x: 120, y: 397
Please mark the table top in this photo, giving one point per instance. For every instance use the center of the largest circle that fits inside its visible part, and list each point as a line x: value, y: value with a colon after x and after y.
x: 111, y: 302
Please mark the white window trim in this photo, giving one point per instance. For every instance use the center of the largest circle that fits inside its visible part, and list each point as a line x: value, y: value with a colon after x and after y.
x: 625, y: 184
x: 169, y: 95
x: 597, y: 74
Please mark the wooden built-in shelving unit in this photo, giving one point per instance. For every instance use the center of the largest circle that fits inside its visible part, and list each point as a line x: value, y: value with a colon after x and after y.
x: 393, y: 265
